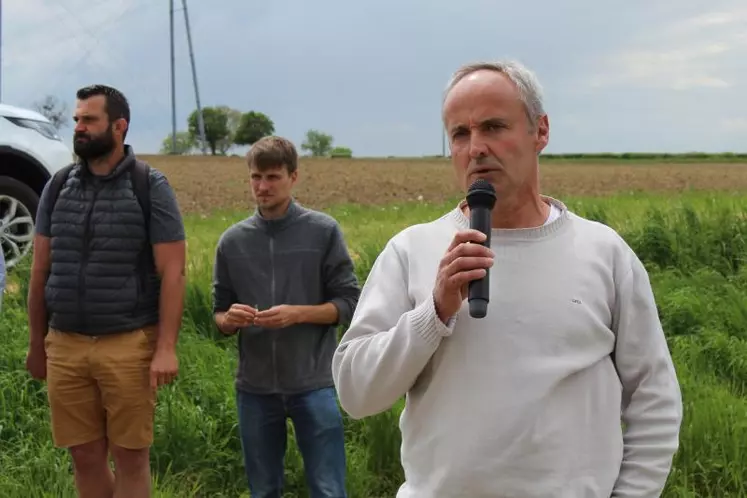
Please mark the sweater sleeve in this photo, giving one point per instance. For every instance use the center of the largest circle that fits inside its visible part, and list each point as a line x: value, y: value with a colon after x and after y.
x: 340, y: 283
x: 389, y: 342
x: 652, y: 402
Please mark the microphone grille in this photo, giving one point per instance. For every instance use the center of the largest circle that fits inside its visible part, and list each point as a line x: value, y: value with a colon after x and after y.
x: 481, y: 194
x: 481, y: 184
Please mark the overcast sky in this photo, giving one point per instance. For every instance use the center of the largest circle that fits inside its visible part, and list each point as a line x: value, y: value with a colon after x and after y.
x: 633, y: 75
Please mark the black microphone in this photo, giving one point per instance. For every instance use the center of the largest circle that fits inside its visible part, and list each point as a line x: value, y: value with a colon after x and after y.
x: 480, y: 199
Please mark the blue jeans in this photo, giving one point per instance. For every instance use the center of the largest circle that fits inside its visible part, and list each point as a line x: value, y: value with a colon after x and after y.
x: 320, y: 437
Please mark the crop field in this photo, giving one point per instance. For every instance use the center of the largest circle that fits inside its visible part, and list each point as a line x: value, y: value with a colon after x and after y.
x: 208, y: 184
x: 686, y: 220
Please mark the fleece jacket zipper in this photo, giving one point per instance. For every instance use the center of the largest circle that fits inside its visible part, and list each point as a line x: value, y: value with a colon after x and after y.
x: 273, y: 337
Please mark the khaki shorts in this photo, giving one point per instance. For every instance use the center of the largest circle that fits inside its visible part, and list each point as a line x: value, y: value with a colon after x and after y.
x: 99, y: 387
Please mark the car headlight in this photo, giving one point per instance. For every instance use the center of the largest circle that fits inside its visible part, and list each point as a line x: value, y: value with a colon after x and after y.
x: 46, y: 129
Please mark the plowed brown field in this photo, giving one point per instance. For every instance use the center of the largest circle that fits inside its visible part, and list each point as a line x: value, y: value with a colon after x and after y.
x: 204, y: 183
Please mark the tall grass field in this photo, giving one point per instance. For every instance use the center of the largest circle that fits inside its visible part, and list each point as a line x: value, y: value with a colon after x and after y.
x: 694, y: 246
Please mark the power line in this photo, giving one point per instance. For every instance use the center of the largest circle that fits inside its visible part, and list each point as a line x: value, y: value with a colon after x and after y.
x: 30, y: 48
x: 84, y: 37
x: 41, y: 23
x: 86, y: 29
x: 88, y: 50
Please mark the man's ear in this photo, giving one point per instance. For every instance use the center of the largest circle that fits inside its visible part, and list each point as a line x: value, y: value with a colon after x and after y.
x: 120, y: 126
x: 543, y: 133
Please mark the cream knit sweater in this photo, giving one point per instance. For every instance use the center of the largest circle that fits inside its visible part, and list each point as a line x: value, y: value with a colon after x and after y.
x: 526, y: 402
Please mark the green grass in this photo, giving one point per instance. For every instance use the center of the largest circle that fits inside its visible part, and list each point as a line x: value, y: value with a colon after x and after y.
x: 694, y: 246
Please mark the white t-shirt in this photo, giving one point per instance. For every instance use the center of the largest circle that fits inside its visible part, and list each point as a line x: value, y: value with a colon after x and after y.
x: 554, y: 214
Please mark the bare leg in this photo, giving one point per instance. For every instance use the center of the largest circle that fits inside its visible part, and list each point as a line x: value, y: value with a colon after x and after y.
x: 93, y: 476
x: 132, y: 468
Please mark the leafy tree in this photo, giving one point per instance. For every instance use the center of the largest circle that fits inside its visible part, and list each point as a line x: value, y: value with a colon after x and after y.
x: 54, y: 110
x: 184, y: 144
x: 233, y: 121
x: 216, y: 128
x: 253, y: 126
x: 341, y: 152
x: 318, y: 143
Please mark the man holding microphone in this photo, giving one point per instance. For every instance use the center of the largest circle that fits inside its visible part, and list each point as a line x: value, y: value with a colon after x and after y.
x: 529, y: 400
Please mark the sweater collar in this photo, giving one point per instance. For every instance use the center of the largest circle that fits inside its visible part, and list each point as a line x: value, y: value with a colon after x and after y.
x: 276, y: 224
x: 462, y: 221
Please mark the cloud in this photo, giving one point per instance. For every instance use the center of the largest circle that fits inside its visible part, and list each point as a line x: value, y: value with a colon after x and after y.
x: 734, y: 16
x: 695, y: 52
x: 50, y: 45
x: 644, y: 76
x: 734, y: 125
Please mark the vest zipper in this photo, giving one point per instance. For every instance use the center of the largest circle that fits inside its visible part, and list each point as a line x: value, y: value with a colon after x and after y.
x: 84, y: 260
x: 272, y: 303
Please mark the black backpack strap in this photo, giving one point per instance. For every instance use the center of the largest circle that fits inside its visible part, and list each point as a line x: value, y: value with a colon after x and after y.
x: 141, y: 186
x: 55, y: 185
x: 140, y: 177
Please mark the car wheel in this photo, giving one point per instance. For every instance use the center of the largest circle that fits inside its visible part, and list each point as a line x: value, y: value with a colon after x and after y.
x: 18, y: 204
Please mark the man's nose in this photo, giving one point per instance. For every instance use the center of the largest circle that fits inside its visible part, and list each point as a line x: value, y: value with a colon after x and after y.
x: 477, y: 146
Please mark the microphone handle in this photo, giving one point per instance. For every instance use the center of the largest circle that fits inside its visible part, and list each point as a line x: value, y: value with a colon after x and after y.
x: 479, y: 290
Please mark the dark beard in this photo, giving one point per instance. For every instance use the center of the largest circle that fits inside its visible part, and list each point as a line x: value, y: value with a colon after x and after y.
x: 93, y: 147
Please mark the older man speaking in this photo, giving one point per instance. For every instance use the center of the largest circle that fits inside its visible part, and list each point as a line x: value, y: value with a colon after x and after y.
x: 566, y: 387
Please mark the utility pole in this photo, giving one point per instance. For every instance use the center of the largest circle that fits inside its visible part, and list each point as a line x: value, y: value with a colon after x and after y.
x: 173, y: 78
x: 200, y: 120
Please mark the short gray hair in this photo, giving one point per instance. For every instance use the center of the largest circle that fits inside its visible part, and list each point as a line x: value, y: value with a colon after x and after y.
x: 530, y: 91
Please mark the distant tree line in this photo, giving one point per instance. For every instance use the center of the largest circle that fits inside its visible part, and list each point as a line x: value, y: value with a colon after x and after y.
x: 226, y: 127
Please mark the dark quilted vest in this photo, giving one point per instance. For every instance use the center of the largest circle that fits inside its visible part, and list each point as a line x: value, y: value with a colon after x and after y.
x: 98, y: 282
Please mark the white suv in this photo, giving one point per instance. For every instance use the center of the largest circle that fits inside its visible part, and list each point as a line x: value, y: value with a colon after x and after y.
x: 31, y: 151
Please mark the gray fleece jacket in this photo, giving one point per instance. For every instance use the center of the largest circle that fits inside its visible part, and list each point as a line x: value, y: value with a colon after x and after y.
x: 298, y: 259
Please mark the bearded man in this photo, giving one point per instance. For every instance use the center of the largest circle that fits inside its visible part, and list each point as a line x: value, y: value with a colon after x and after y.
x: 106, y: 299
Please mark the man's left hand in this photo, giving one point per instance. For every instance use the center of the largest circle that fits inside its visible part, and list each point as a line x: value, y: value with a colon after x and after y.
x: 163, y: 367
x: 277, y: 317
